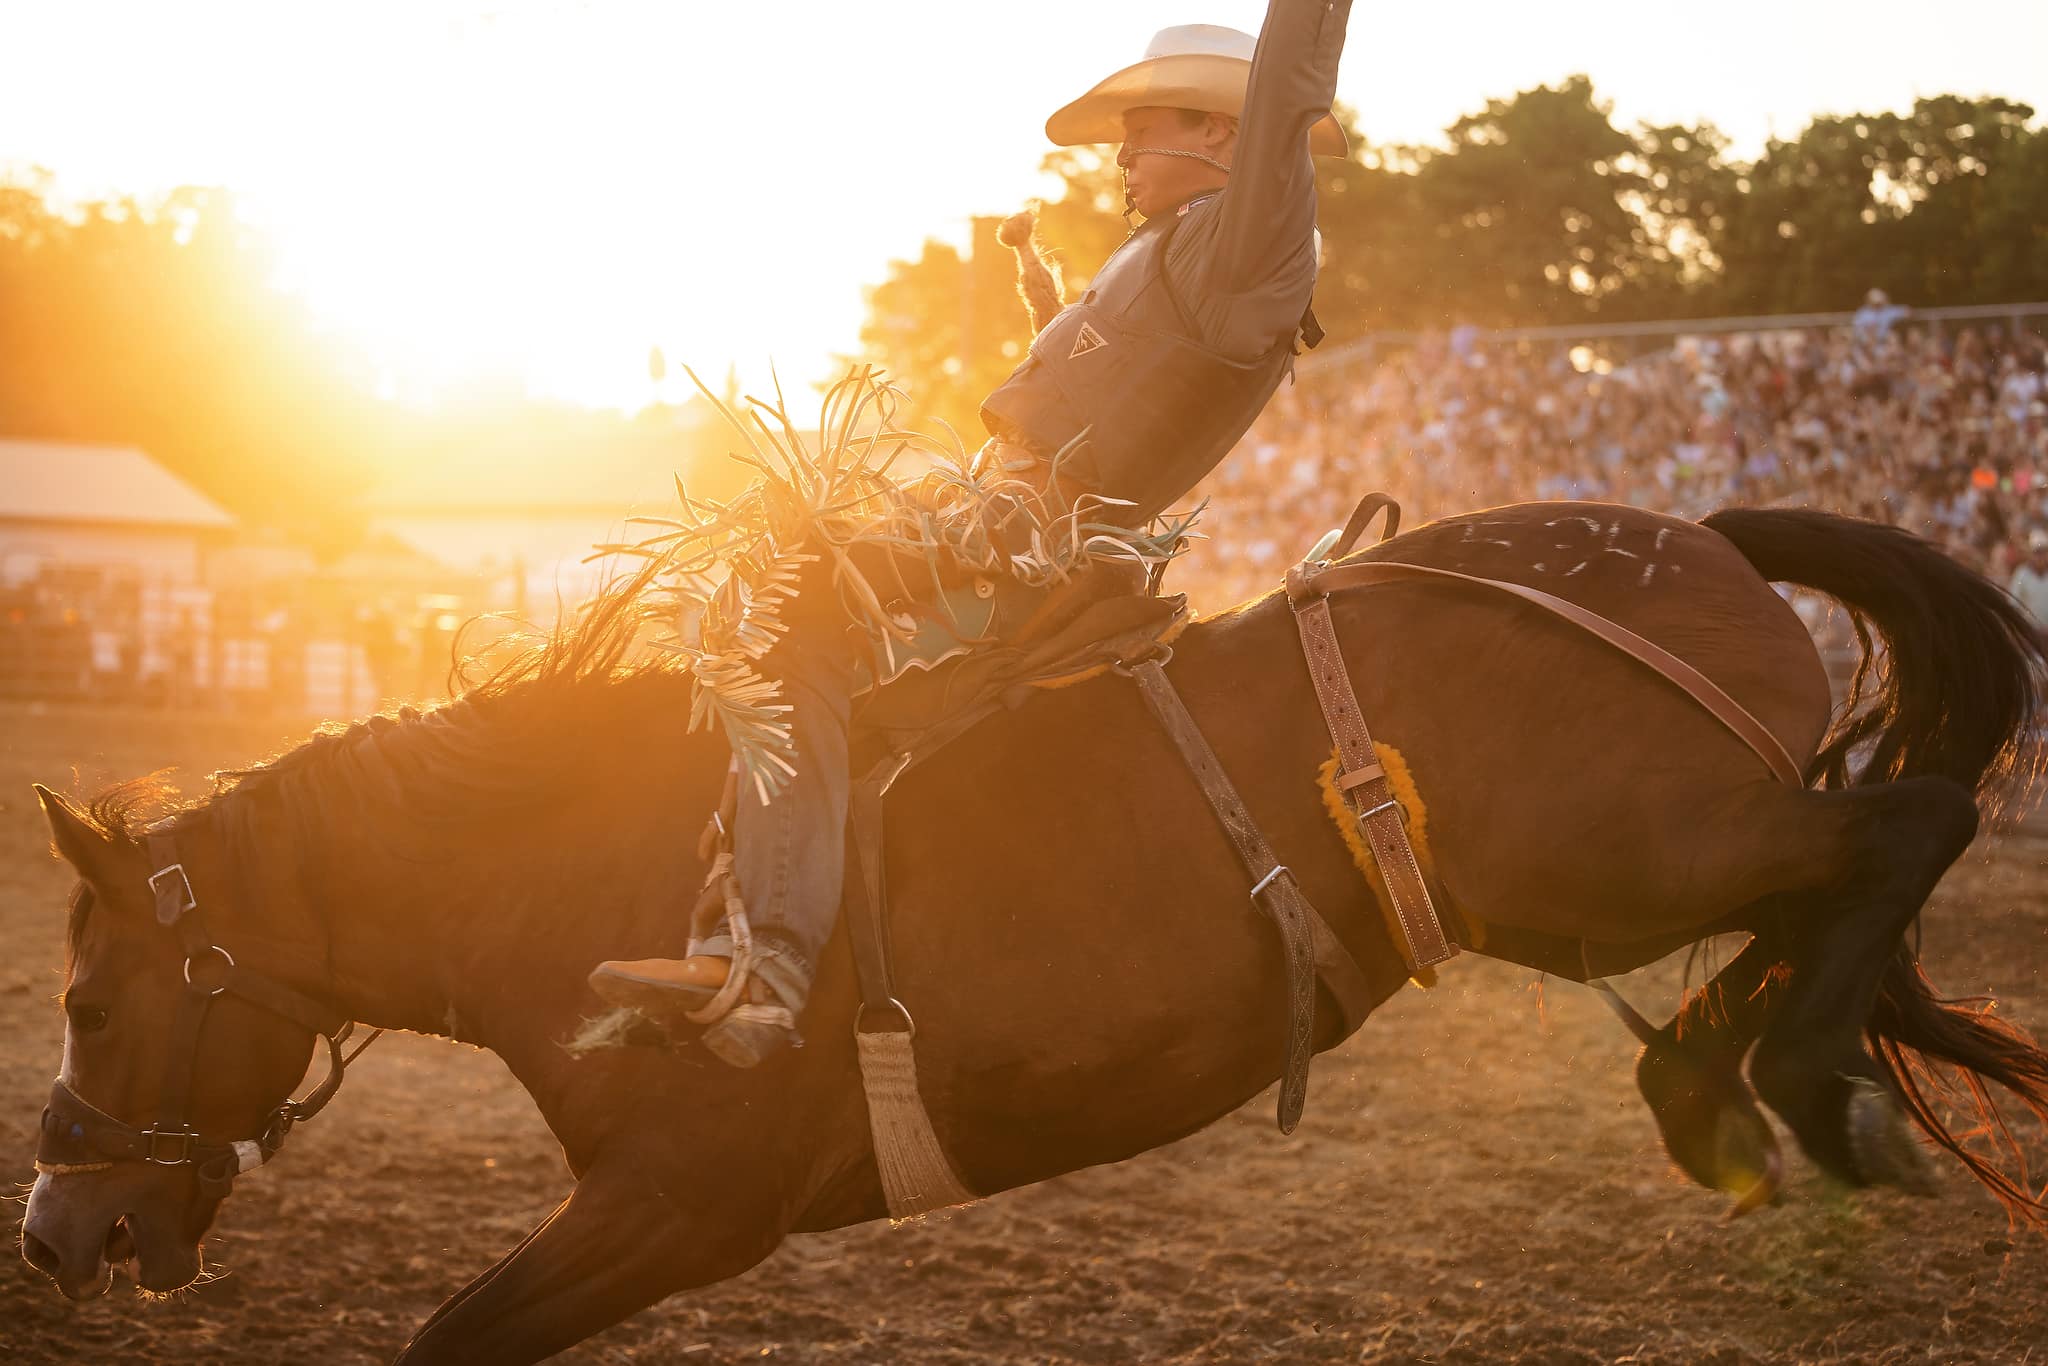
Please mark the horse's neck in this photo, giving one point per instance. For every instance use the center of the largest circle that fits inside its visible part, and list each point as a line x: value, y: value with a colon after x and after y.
x: 491, y: 940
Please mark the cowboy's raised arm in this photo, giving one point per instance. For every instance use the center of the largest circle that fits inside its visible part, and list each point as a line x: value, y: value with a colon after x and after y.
x: 1271, y: 203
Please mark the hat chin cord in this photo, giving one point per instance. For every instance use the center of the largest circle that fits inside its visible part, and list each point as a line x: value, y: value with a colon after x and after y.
x: 1124, y: 158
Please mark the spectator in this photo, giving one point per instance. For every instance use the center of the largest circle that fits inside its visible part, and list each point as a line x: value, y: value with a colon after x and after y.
x: 1896, y: 421
x: 1873, y: 322
x: 2030, y: 580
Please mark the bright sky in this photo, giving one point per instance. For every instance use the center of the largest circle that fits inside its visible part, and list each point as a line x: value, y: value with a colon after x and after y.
x: 548, y: 187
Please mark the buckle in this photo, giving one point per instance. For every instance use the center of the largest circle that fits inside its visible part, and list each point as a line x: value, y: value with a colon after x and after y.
x: 1279, y: 870
x: 173, y: 899
x: 186, y: 1138
x: 280, y: 1127
x: 1155, y: 652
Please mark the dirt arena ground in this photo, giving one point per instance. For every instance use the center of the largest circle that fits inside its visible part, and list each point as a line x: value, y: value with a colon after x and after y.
x: 1476, y: 1182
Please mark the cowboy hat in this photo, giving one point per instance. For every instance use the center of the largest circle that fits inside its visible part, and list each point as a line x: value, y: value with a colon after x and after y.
x: 1194, y: 66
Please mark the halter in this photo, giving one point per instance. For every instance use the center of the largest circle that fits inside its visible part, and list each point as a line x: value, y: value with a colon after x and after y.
x: 77, y: 1136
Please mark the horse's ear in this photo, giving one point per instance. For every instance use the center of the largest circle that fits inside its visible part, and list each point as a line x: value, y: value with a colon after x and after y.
x: 83, y: 844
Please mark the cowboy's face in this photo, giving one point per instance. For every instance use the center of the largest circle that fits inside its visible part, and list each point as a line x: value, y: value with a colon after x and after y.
x: 1158, y: 183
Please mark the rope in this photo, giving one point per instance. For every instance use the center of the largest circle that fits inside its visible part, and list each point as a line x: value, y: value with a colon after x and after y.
x: 1123, y: 161
x: 916, y: 1176
x: 1124, y: 157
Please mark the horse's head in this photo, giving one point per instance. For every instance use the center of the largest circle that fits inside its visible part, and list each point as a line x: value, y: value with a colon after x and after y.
x: 173, y: 1077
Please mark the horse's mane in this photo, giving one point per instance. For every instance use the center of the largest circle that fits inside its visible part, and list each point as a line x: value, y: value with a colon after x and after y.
x: 513, y: 737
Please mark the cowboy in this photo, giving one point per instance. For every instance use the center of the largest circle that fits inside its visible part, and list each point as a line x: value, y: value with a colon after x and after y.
x: 1140, y: 388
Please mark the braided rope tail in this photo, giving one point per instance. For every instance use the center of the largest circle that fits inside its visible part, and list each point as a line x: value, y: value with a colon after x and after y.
x: 1037, y: 285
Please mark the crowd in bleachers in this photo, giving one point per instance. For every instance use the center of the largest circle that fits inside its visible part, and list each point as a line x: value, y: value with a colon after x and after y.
x: 1943, y: 431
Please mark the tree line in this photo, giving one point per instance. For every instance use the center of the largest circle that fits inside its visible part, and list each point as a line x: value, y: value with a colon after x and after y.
x: 155, y: 324
x: 1540, y: 209
x: 158, y: 324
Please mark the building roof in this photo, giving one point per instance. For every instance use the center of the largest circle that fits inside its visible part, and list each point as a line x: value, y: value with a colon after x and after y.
x: 60, y: 481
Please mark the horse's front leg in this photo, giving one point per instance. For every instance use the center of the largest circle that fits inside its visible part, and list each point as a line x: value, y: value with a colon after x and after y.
x: 631, y: 1235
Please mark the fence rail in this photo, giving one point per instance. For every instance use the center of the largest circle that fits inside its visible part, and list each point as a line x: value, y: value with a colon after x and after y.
x: 1367, y: 346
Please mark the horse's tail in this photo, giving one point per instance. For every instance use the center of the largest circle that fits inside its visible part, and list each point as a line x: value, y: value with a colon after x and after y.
x: 1954, y: 689
x: 1952, y: 692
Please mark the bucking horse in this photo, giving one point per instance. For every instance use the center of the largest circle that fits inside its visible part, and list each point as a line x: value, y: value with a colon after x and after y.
x: 1070, y: 924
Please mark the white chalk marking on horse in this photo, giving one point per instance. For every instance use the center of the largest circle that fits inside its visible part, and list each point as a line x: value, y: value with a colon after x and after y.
x: 1663, y: 535
x: 1471, y: 537
x: 1591, y: 524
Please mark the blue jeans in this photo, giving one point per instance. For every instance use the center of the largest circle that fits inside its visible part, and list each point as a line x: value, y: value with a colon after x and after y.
x: 790, y: 854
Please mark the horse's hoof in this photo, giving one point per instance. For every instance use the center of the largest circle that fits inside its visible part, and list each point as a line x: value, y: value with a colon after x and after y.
x: 1747, y: 1163
x: 1881, y: 1142
x: 1710, y: 1123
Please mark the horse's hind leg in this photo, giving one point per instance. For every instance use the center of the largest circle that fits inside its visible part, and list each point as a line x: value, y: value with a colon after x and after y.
x: 1810, y: 1065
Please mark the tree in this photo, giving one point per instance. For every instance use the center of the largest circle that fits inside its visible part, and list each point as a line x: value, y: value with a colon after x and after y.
x: 950, y: 325
x: 156, y: 324
x: 1689, y: 187
x: 1528, y: 205
x: 1942, y: 205
x: 1538, y: 209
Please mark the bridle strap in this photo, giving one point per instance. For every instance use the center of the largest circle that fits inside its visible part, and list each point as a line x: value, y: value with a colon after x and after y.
x: 74, y: 1129
x: 181, y: 1065
x: 279, y: 999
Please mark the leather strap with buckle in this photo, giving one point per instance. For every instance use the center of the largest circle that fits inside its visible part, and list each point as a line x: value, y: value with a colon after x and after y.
x: 1362, y: 781
x: 1310, y: 949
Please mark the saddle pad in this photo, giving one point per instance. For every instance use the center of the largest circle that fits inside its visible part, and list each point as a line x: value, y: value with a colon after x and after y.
x: 928, y: 700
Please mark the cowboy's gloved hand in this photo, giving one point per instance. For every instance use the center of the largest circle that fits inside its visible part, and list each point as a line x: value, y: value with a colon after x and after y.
x: 1010, y: 525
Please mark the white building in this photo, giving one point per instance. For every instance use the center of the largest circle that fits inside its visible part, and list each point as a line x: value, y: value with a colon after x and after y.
x: 109, y: 509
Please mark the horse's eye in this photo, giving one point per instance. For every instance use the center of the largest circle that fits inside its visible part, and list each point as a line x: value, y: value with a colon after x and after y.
x: 87, y: 1019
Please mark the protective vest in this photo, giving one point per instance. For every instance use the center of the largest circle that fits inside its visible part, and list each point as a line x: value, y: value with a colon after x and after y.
x: 1125, y: 364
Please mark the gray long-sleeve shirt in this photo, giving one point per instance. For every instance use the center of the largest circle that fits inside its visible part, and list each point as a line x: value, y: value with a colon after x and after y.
x: 1244, y: 262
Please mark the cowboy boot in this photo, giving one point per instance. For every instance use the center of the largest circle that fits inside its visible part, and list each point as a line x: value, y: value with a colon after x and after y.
x: 663, y: 989
x: 759, y: 1023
